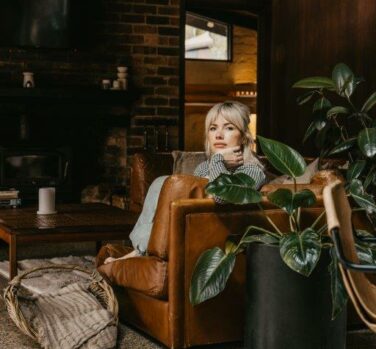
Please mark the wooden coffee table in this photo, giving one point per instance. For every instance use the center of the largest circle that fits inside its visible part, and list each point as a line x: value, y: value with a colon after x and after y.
x: 73, y: 222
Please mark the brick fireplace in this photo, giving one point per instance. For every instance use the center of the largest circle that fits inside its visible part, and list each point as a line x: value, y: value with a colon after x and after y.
x: 142, y: 36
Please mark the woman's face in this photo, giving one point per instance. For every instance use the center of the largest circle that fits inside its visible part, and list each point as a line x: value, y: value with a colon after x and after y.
x: 222, y: 134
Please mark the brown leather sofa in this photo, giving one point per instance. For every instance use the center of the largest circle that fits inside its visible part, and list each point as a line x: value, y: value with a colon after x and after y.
x: 154, y: 289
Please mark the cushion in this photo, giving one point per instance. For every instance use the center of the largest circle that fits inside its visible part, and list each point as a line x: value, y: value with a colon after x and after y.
x: 310, y: 171
x: 185, y: 162
x: 175, y: 187
x: 145, y: 274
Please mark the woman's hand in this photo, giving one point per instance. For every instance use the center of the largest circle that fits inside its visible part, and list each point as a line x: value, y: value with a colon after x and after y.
x: 233, y: 156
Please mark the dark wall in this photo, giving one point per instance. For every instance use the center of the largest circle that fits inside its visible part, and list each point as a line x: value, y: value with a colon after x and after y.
x: 308, y: 38
x: 143, y: 35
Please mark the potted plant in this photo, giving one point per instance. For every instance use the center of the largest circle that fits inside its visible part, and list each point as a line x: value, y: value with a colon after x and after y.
x: 342, y: 128
x: 295, y: 296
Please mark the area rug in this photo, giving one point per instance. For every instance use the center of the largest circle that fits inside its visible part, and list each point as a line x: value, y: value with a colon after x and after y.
x: 46, y: 282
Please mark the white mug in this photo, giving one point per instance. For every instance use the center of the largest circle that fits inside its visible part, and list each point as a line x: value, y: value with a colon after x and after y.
x: 46, y: 202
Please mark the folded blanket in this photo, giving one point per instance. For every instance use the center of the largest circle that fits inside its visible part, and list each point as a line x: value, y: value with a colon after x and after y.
x: 73, y: 318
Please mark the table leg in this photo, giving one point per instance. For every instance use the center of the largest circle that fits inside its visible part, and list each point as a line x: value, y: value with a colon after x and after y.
x: 12, y: 257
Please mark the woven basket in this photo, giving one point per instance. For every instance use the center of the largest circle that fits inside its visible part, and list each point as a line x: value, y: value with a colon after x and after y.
x: 98, y: 287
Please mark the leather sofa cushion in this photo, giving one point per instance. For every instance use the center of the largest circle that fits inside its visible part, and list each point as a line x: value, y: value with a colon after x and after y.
x: 145, y: 168
x: 145, y: 274
x: 174, y: 188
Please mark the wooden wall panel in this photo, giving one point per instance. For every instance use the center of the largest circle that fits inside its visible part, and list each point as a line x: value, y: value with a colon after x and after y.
x: 308, y: 38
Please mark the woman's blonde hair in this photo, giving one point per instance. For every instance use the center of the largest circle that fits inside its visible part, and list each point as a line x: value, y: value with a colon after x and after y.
x: 237, y: 114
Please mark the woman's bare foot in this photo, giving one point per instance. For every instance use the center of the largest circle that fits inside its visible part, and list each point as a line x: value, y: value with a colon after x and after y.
x: 134, y: 253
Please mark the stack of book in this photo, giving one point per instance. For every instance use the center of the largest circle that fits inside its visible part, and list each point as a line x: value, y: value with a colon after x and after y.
x: 9, y: 198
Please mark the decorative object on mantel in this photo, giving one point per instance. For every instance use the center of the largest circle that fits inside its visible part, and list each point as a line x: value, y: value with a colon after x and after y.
x: 106, y: 84
x: 28, y: 80
x: 122, y: 76
x: 115, y: 85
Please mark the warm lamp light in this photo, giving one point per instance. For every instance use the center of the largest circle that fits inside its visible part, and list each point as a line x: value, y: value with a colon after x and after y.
x: 252, y: 128
x: 245, y: 90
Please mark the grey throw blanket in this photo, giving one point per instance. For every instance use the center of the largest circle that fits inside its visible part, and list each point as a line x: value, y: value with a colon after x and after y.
x: 73, y: 318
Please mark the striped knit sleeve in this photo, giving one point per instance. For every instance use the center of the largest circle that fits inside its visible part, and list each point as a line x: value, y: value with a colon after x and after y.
x: 254, y: 171
x: 217, y: 167
x: 202, y: 170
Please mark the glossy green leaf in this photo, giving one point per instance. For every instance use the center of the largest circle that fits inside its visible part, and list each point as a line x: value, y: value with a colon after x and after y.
x: 210, y: 275
x: 289, y: 201
x: 301, y: 251
x: 366, y: 234
x: 344, y: 80
x: 311, y: 128
x: 237, y: 189
x: 321, y: 103
x: 339, y: 294
x: 337, y: 110
x: 365, y: 254
x: 370, y: 179
x: 230, y: 246
x: 355, y: 170
x: 343, y: 146
x: 367, y: 141
x: 305, y: 97
x: 322, y: 136
x: 304, y: 198
x: 262, y: 238
x: 320, y: 121
x: 315, y: 82
x: 362, y: 198
x: 369, y: 103
x: 282, y: 157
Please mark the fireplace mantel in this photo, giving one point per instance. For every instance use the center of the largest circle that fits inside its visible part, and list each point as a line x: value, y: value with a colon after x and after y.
x: 67, y: 95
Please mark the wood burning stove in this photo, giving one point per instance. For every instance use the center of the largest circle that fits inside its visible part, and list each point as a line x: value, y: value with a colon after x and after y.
x: 28, y: 169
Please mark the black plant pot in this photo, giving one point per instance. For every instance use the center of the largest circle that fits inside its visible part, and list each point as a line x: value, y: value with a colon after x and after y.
x: 285, y: 310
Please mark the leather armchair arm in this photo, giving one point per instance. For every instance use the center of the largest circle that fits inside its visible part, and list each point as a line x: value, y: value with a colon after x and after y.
x: 196, y: 225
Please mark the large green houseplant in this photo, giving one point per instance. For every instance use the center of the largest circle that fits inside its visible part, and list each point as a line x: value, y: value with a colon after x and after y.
x: 297, y: 308
x: 341, y: 128
x: 300, y: 248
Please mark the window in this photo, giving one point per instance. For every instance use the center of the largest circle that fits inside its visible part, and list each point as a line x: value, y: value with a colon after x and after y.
x: 206, y: 38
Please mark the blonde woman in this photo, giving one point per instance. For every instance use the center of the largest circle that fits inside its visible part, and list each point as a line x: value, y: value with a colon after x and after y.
x: 228, y: 147
x: 228, y: 144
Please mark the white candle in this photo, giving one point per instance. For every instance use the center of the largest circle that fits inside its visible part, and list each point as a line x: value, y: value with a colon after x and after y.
x: 46, y: 201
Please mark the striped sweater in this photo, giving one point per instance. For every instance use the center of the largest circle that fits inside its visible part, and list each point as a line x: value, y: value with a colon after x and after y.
x: 215, y: 166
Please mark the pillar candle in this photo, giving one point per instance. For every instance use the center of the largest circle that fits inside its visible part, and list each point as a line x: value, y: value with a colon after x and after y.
x: 46, y: 201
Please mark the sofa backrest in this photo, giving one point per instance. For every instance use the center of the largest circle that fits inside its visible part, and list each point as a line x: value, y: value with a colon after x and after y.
x: 145, y: 168
x: 174, y: 188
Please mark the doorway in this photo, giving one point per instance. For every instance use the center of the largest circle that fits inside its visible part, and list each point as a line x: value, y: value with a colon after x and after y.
x: 209, y: 80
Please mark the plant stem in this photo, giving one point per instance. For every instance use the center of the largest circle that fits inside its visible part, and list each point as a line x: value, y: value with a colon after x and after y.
x: 317, y: 220
x: 322, y: 229
x: 291, y: 218
x: 269, y: 220
x: 298, y: 218
x: 295, y: 186
x: 358, y: 209
x: 260, y: 229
